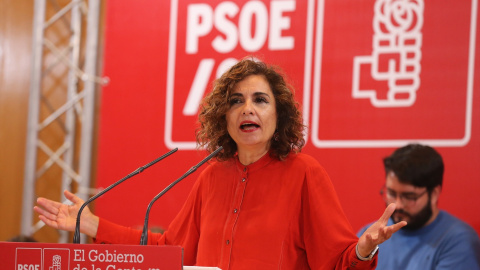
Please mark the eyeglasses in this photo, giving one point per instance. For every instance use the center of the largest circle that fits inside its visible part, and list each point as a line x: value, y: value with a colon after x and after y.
x: 407, y: 198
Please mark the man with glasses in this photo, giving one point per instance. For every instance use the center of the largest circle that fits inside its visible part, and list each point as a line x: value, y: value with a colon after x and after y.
x: 432, y: 238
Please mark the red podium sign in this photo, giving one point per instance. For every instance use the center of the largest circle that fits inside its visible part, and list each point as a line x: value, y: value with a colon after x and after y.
x: 44, y: 256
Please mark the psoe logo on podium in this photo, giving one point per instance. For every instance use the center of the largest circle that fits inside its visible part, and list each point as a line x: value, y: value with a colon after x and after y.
x: 392, y: 72
x: 28, y: 259
x: 56, y: 259
x: 206, y: 38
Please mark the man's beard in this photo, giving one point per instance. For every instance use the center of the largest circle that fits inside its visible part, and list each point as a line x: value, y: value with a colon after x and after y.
x: 415, y: 221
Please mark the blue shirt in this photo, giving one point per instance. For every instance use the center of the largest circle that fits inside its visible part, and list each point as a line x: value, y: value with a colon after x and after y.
x: 446, y: 243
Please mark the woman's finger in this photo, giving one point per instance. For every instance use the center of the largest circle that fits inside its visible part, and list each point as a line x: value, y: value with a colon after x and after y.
x: 48, y: 205
x: 49, y: 222
x: 72, y: 197
x: 387, y: 213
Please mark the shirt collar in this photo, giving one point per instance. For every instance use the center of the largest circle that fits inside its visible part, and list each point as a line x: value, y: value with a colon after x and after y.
x: 262, y: 162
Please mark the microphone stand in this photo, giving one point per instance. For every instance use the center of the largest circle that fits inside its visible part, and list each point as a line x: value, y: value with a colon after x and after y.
x: 144, y: 239
x: 76, y: 236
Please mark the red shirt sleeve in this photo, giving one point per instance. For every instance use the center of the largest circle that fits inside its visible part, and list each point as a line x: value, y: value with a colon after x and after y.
x: 111, y: 233
x: 326, y: 228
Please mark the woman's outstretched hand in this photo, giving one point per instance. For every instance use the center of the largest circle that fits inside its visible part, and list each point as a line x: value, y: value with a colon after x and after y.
x: 378, y: 232
x: 63, y: 217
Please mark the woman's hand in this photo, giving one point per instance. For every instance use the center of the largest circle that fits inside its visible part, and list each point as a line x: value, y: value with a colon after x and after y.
x: 378, y: 232
x: 63, y: 217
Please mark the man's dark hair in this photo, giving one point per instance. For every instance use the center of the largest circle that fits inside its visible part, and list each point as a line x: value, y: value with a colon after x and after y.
x: 416, y: 164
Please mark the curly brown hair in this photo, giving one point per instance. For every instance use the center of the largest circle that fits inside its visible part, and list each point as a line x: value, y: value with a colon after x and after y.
x: 212, y: 131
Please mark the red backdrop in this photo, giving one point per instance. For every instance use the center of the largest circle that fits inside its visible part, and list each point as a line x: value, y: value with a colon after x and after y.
x: 370, y: 78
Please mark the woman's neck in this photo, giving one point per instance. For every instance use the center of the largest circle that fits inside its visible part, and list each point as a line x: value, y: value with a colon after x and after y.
x: 247, y: 157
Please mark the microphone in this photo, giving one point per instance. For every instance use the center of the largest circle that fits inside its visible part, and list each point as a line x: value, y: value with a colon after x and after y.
x: 144, y: 239
x: 76, y: 236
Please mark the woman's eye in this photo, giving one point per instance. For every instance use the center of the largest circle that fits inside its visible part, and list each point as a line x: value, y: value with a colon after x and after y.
x: 234, y: 101
x: 261, y: 100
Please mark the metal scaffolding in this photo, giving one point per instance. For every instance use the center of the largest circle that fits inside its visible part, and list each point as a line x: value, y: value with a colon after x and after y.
x: 61, y: 102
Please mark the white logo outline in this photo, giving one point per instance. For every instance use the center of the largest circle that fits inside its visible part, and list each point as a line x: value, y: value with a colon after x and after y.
x: 319, y: 143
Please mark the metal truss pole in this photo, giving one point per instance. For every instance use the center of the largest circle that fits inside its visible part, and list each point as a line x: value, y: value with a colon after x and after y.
x: 78, y: 58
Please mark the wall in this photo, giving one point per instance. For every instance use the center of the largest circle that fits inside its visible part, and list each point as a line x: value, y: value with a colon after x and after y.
x: 15, y: 59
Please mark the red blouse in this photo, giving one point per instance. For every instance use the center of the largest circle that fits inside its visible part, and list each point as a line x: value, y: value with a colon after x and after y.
x: 268, y: 215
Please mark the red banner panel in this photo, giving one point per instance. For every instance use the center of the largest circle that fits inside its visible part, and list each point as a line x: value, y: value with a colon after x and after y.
x: 392, y: 64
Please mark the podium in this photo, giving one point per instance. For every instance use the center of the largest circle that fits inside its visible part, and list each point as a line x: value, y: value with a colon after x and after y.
x: 49, y: 256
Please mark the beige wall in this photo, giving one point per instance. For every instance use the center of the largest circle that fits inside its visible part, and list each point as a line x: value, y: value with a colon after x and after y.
x: 15, y: 59
x: 15, y: 67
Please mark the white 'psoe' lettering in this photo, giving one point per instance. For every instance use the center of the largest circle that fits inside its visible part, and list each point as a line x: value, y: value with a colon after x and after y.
x: 202, y: 18
x: 28, y: 267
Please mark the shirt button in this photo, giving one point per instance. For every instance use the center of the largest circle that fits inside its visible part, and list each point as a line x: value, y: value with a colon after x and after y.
x: 235, y: 210
x: 245, y: 169
x: 243, y: 179
x: 228, y: 242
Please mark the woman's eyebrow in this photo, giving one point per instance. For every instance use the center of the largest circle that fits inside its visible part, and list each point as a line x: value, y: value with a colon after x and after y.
x: 255, y: 94
x: 261, y: 94
x: 236, y: 95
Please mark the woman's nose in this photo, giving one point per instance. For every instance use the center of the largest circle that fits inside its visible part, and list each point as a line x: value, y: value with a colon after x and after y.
x: 247, y: 107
